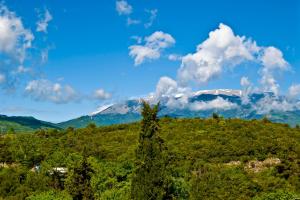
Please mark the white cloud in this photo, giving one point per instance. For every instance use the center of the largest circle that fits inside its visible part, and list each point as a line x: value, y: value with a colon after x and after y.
x: 101, y: 94
x: 166, y: 87
x: 21, y: 70
x: 174, y: 57
x: 273, y: 62
x: 152, y: 48
x: 222, y: 48
x: 272, y: 59
x: 153, y: 15
x: 219, y: 103
x: 168, y: 90
x: 269, y: 83
x: 294, y: 91
x: 247, y: 90
x: 131, y: 21
x: 42, y: 24
x: 45, y: 90
x: 141, y: 53
x: 272, y: 103
x: 220, y: 51
x: 123, y: 8
x: 14, y: 38
x: 245, y: 81
x: 2, y: 78
x: 159, y: 40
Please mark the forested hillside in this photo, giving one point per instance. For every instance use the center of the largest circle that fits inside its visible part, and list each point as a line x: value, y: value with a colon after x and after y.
x: 16, y: 124
x: 211, y: 158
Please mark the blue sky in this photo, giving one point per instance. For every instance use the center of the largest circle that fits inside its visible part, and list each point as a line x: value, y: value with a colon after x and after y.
x: 86, y: 49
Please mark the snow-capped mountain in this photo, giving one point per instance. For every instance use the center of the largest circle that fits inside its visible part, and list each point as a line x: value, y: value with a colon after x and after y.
x: 228, y: 92
x: 226, y: 102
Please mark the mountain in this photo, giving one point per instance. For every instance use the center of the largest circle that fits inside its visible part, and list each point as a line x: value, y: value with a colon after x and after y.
x: 23, y: 124
x: 226, y: 102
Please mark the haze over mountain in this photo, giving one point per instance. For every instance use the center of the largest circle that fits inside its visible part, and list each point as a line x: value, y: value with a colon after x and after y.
x: 227, y: 103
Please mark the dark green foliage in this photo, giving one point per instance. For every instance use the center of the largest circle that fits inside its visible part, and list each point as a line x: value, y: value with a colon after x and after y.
x: 196, y: 159
x: 215, y: 116
x: 149, y: 177
x: 50, y: 195
x: 278, y: 195
x: 218, y: 182
x: 78, y: 182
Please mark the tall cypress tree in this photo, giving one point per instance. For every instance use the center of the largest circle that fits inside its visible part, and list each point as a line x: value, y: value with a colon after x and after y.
x: 149, y: 178
x: 78, y: 182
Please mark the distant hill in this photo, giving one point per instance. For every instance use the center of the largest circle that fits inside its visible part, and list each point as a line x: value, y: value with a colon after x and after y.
x: 24, y: 124
x: 227, y: 103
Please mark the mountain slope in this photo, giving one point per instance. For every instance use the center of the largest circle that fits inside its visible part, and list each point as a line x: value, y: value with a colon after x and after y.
x: 227, y: 103
x: 23, y: 124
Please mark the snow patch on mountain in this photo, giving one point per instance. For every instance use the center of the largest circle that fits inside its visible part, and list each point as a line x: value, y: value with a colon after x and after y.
x: 100, y: 109
x: 228, y: 92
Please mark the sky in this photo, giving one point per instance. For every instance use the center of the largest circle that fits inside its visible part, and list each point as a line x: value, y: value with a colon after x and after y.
x: 63, y: 59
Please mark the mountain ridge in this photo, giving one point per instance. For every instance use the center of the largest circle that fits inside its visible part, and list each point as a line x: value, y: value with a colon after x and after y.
x: 206, y: 101
x: 228, y: 103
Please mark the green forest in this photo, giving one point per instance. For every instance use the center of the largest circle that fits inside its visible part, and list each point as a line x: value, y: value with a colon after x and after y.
x: 156, y: 158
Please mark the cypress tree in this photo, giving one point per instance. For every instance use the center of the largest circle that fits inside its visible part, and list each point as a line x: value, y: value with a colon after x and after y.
x: 149, y: 178
x: 78, y: 182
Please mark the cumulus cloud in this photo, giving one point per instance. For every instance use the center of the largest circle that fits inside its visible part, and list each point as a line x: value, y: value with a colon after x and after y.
x: 217, y: 104
x: 141, y: 53
x: 45, y: 90
x: 123, y: 7
x: 245, y: 81
x: 15, y: 45
x: 273, y: 103
x: 171, y: 93
x: 222, y: 48
x: 151, y: 50
x: 220, y: 51
x: 101, y: 94
x: 153, y: 15
x: 166, y: 86
x: 159, y: 40
x: 272, y: 59
x: 177, y: 97
x: 269, y: 83
x: 247, y: 89
x: 15, y: 39
x: 169, y: 87
x: 272, y: 62
x: 294, y: 91
x: 42, y: 23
